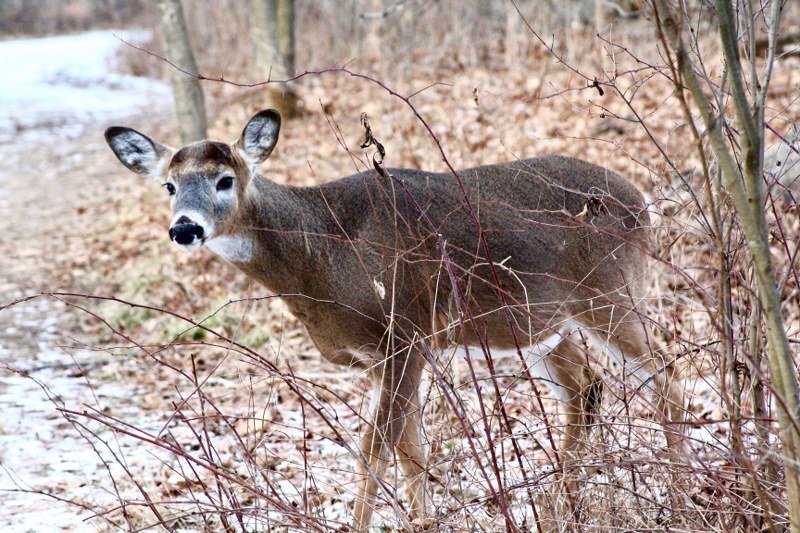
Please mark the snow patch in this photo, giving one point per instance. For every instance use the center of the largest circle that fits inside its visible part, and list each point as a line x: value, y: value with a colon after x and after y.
x: 58, y: 85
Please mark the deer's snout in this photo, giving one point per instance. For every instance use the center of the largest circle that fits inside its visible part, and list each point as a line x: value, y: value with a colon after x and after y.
x: 186, y: 232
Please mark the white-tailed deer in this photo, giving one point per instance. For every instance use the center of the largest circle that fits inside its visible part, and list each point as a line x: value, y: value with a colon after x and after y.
x: 383, y: 268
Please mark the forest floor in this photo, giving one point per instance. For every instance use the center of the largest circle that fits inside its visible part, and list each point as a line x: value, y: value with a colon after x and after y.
x: 78, y: 226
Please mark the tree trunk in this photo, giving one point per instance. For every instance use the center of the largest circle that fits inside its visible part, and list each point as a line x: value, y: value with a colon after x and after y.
x: 604, y: 14
x: 272, y: 24
x: 745, y: 188
x: 285, y: 22
x: 189, y: 101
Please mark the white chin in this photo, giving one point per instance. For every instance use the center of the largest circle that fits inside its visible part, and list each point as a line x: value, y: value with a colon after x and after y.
x: 190, y: 247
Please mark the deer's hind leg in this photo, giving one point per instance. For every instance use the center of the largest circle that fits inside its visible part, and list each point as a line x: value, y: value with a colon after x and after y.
x: 395, y: 428
x: 666, y: 392
x: 626, y: 340
x: 580, y: 389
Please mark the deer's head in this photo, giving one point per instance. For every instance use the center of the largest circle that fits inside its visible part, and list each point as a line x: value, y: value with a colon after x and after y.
x: 206, y: 180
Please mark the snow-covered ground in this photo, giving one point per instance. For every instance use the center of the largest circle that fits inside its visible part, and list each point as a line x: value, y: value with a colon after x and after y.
x: 58, y: 85
x: 40, y: 452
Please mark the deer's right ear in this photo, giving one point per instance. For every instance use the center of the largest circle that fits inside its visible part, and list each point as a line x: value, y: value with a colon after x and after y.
x: 138, y: 152
x: 260, y: 136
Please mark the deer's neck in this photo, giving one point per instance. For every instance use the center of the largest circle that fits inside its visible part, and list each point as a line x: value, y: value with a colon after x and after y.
x: 275, y: 239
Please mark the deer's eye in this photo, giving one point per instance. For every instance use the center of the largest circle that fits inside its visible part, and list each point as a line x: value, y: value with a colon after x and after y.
x: 170, y: 188
x: 225, y: 183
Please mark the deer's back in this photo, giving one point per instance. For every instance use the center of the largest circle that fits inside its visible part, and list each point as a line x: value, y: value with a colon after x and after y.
x: 560, y: 231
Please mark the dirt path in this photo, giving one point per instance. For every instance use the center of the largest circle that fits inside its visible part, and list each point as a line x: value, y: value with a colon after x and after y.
x: 55, y: 175
x: 46, y: 191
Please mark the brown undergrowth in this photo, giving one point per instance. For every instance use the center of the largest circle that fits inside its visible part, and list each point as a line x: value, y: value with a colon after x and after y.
x: 254, y: 431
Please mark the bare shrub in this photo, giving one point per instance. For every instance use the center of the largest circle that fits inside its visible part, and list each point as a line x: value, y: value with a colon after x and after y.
x: 253, y: 432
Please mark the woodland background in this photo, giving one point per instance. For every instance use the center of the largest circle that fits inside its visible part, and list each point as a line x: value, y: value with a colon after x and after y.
x: 124, y: 414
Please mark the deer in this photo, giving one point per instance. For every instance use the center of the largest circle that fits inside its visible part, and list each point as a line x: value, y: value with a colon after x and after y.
x: 386, y: 268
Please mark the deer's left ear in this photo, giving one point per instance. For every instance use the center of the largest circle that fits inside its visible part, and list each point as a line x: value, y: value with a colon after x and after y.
x: 259, y: 137
x: 138, y: 152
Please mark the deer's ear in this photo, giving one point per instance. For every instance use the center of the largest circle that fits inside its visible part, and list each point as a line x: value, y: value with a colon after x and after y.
x: 138, y: 152
x: 260, y: 136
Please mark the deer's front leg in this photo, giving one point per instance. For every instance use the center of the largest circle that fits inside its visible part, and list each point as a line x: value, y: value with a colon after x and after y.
x: 370, y: 468
x: 395, y: 428
x: 411, y: 457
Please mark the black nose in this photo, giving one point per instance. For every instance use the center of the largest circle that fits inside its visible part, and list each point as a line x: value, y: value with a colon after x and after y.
x: 185, y: 233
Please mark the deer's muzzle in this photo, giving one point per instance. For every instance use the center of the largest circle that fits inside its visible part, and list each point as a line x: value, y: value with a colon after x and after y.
x: 186, y: 233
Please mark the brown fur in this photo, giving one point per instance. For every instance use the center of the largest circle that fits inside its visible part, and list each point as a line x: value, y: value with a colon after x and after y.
x: 360, y: 263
